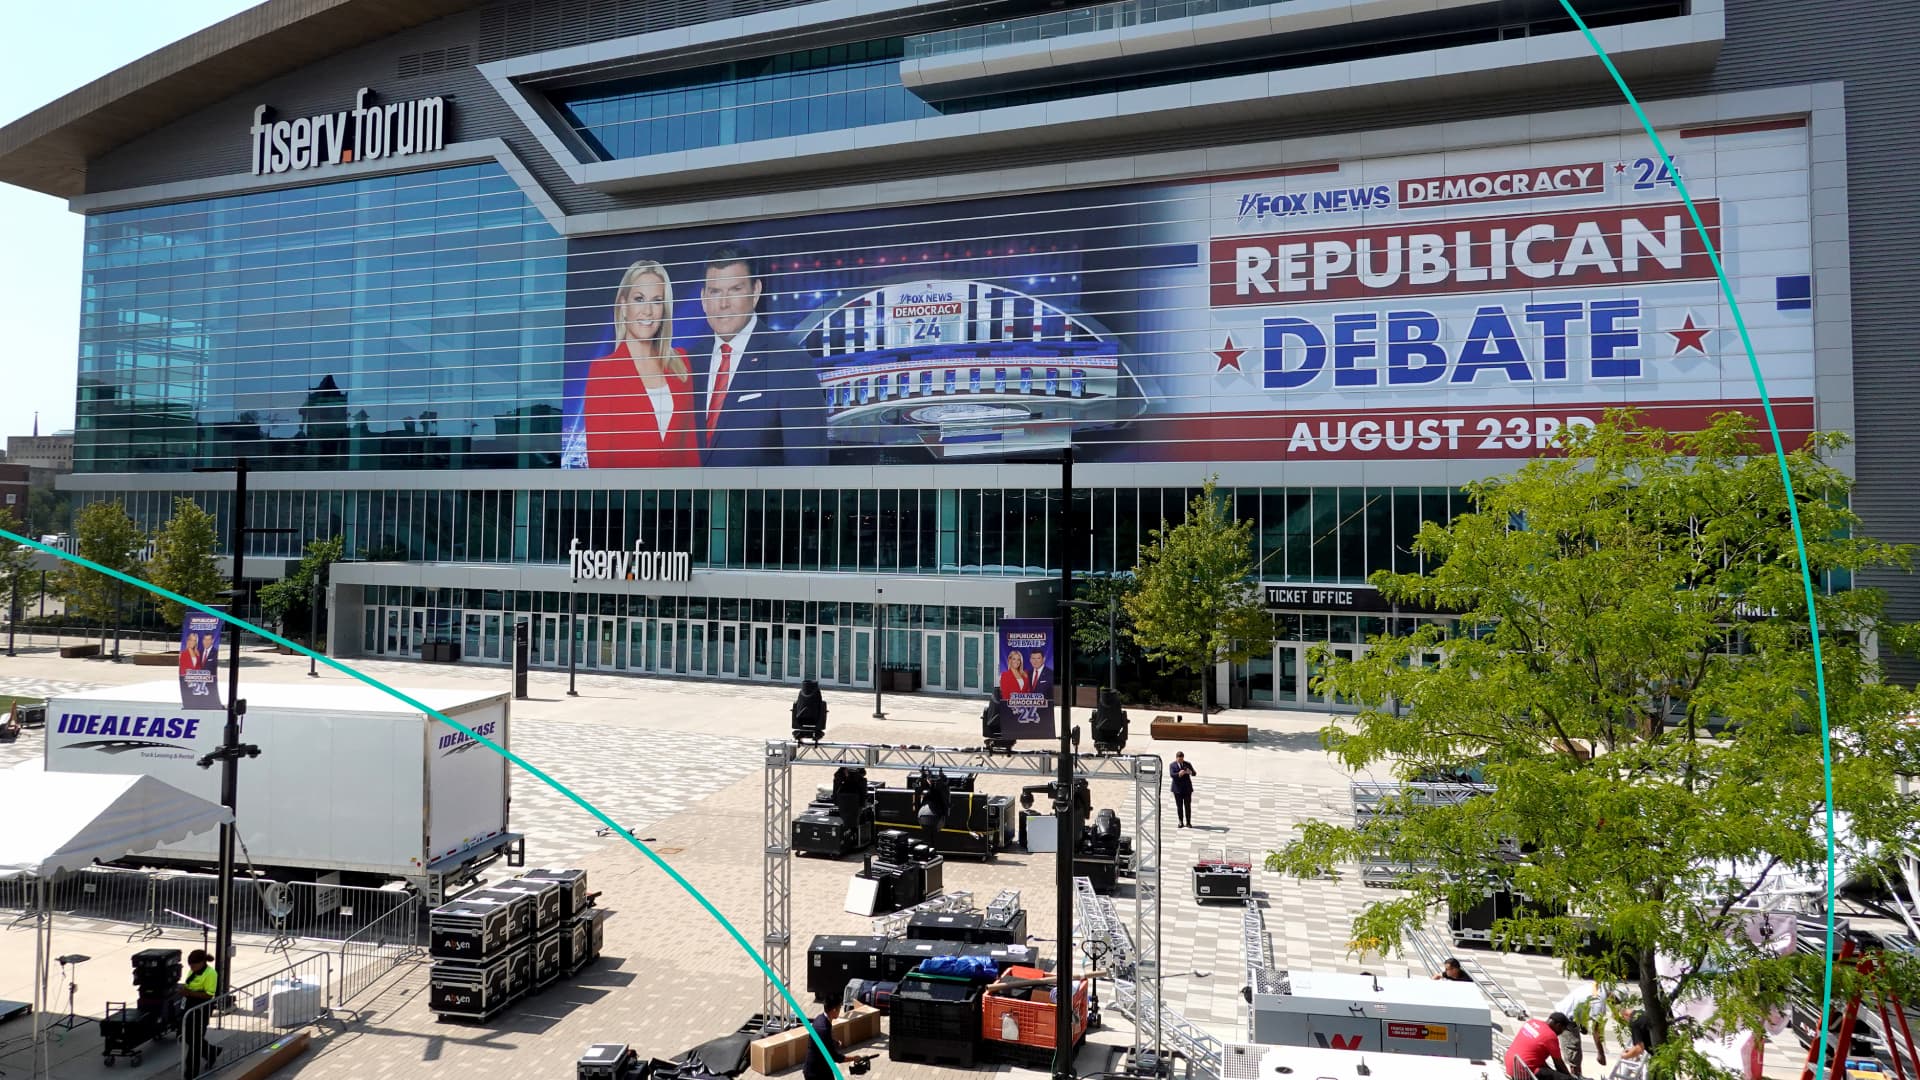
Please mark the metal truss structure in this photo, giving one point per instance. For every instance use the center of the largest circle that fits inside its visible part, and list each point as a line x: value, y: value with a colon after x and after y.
x: 895, y: 923
x: 1104, y: 939
x: 1143, y: 770
x: 1434, y: 957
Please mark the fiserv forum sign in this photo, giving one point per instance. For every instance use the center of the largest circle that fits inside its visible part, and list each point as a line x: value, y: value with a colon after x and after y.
x: 366, y: 132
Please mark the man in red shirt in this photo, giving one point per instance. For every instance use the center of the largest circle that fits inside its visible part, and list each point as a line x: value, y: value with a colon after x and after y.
x: 1535, y: 1046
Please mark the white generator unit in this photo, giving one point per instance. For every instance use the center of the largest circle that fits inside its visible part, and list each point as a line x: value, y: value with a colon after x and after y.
x: 1331, y: 1011
x: 1313, y: 1063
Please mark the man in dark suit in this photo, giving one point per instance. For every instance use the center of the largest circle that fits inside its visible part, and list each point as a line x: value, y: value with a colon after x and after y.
x: 759, y: 401
x: 1042, y: 674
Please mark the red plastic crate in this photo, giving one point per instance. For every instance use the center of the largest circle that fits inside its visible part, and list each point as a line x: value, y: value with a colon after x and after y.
x: 1035, y: 1019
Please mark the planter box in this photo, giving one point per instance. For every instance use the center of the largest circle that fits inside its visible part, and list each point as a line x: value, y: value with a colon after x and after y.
x: 1086, y: 697
x: 900, y: 682
x: 1170, y: 729
x: 74, y: 652
x: 155, y: 659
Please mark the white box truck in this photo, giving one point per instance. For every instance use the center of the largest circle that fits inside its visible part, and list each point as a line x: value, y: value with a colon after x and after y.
x: 350, y: 783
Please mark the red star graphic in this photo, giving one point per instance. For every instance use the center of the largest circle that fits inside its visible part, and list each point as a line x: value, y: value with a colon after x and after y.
x: 1229, y: 356
x: 1619, y: 167
x: 1690, y: 336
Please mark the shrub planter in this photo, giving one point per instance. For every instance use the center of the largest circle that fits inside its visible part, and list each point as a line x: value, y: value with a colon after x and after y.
x: 1177, y: 729
x: 155, y: 659
x: 75, y: 652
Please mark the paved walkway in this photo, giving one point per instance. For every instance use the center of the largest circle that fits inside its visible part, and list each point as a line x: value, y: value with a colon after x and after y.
x: 679, y: 763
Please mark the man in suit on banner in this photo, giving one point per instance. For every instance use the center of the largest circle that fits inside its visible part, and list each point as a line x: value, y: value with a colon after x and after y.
x: 759, y: 401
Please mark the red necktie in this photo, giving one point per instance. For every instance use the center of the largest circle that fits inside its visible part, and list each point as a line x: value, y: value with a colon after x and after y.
x: 720, y: 382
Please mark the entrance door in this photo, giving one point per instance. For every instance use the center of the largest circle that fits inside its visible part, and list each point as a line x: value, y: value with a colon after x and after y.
x: 1315, y: 698
x: 729, y: 651
x: 829, y: 657
x: 795, y: 668
x: 862, y: 658
x: 546, y: 650
x: 411, y: 645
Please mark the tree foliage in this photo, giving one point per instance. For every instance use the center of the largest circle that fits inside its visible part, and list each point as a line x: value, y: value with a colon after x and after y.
x: 185, y: 553
x: 288, y: 601
x: 1635, y: 676
x: 1195, y: 600
x: 1092, y: 645
x: 105, y: 535
x: 16, y: 566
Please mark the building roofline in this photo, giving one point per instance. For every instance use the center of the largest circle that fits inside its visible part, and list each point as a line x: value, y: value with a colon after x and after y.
x: 48, y: 149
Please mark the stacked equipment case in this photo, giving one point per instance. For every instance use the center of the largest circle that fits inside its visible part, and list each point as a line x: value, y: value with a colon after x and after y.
x: 496, y: 945
x: 840, y: 819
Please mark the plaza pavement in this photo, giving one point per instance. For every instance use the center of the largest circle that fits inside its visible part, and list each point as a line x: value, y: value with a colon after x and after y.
x: 679, y: 763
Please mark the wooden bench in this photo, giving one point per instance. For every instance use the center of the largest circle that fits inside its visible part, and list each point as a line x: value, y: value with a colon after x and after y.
x: 1172, y: 729
x: 156, y: 659
x: 75, y: 652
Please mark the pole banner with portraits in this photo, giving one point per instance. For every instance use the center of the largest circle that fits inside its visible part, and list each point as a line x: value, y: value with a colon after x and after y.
x: 200, y: 662
x: 1024, y: 667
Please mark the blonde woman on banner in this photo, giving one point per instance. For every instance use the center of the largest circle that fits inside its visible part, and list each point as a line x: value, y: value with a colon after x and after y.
x: 637, y: 408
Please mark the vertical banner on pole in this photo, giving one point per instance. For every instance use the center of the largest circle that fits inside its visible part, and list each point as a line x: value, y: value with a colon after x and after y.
x: 200, y: 662
x: 1024, y: 665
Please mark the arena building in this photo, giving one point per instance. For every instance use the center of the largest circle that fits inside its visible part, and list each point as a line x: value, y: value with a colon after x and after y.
x: 756, y: 328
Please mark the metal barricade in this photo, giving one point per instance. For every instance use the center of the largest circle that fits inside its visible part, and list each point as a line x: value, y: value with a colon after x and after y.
x: 150, y: 903
x: 378, y: 948
x: 222, y: 1032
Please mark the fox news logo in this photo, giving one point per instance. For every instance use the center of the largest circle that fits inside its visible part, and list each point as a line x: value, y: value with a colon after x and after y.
x: 1282, y: 204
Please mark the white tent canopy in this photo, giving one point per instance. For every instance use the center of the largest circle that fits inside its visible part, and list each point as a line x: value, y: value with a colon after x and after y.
x: 59, y: 822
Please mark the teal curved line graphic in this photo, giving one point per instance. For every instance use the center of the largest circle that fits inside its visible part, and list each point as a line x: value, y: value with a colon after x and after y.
x: 526, y: 766
x: 1786, y: 478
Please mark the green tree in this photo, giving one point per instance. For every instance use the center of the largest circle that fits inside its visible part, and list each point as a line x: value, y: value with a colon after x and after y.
x: 16, y: 570
x: 48, y: 511
x: 1635, y: 676
x: 1195, y: 601
x: 185, y: 559
x: 287, y: 601
x: 105, y: 535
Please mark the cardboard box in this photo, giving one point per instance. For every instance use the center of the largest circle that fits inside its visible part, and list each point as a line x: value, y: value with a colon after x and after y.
x: 857, y: 1025
x: 778, y: 1053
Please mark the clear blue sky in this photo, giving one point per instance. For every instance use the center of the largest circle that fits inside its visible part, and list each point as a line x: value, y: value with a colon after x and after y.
x: 48, y: 50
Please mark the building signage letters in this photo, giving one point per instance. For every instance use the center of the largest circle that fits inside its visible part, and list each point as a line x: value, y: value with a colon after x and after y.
x: 636, y: 565
x: 369, y: 131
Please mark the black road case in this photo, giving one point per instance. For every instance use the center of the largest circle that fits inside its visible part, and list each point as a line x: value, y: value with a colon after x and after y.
x: 547, y: 953
x: 573, y: 889
x: 546, y: 900
x: 469, y: 931
x: 1222, y: 880
x: 520, y: 911
x: 473, y: 991
x: 833, y: 960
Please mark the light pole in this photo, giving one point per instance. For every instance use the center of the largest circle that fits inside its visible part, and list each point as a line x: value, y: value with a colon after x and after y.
x: 573, y: 628
x: 879, y: 648
x: 1064, y: 802
x: 313, y: 622
x: 231, y: 749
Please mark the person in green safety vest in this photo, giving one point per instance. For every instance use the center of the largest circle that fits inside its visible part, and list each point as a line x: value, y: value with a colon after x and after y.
x: 201, y: 986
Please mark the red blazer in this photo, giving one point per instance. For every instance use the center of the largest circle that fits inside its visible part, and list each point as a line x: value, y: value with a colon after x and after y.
x: 621, y: 430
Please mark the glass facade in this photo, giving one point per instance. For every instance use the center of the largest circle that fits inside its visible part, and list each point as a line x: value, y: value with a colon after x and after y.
x: 409, y: 321
x: 1325, y: 534
x: 798, y: 93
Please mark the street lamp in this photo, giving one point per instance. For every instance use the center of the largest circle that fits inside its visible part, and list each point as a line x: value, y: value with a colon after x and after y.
x: 573, y: 629
x: 313, y: 622
x: 1112, y: 609
x: 879, y: 648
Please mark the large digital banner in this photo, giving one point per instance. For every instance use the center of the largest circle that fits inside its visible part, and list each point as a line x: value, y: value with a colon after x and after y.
x: 1448, y: 305
x: 1024, y: 670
